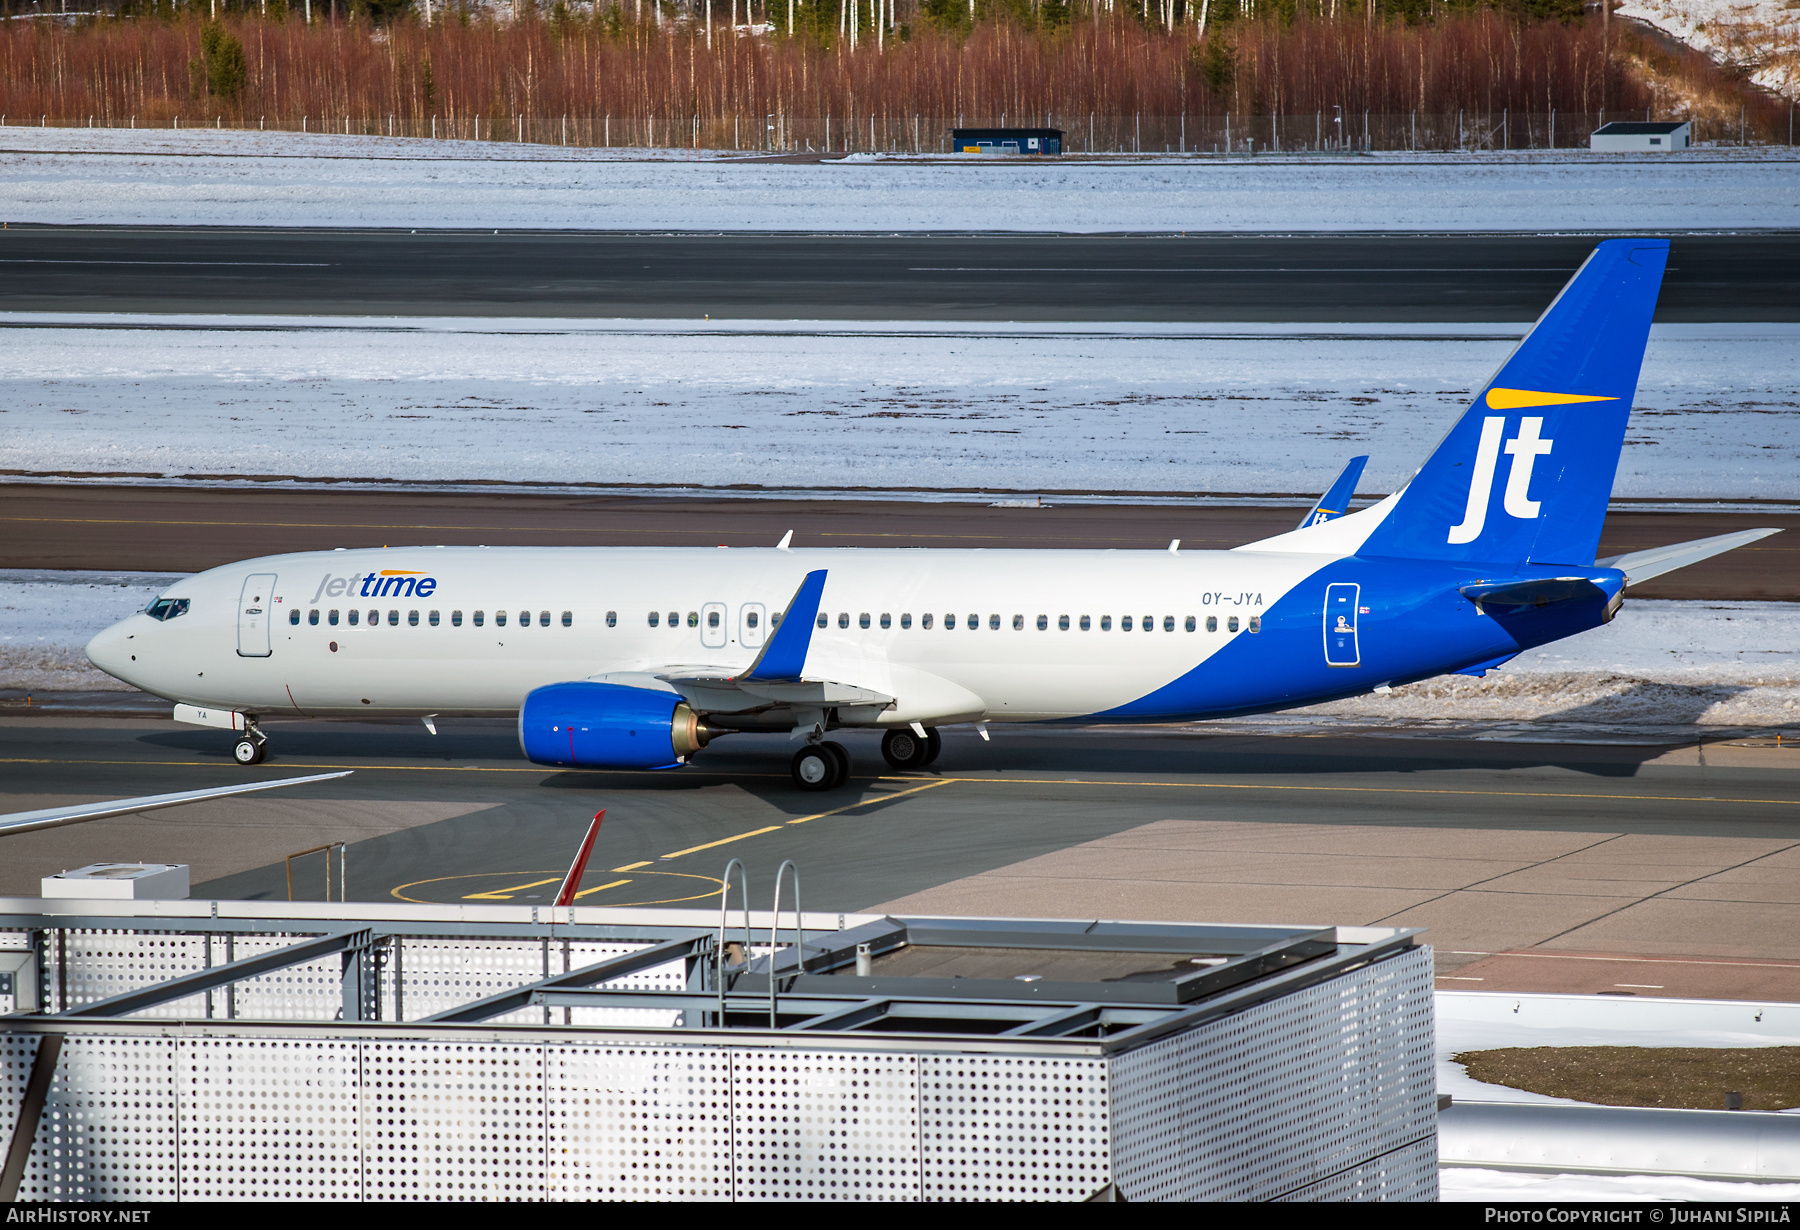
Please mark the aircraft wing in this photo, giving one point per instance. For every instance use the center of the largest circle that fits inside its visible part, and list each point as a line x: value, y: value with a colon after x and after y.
x: 51, y: 817
x: 1640, y: 566
x: 778, y: 675
x: 715, y: 692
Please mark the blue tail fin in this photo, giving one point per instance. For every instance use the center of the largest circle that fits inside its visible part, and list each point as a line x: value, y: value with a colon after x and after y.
x: 1526, y: 473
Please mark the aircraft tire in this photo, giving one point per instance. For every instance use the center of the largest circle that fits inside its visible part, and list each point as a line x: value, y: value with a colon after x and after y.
x: 934, y: 743
x: 903, y: 750
x: 249, y: 751
x: 842, y: 757
x: 814, y: 768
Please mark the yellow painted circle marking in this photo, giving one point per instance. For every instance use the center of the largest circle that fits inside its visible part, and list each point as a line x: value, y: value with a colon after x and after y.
x: 714, y: 881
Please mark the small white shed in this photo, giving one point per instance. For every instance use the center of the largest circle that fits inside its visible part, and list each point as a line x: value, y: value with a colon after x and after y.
x: 1637, y: 136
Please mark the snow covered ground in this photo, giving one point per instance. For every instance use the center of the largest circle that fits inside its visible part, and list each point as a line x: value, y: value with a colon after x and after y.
x: 1473, y: 1185
x: 1660, y: 670
x: 47, y: 617
x: 1761, y: 37
x: 1125, y: 408
x: 121, y: 176
x: 1469, y: 1021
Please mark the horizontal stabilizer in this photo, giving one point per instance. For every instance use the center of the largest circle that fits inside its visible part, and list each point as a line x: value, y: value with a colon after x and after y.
x: 1639, y: 566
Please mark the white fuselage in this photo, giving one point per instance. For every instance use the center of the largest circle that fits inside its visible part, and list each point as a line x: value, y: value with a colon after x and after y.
x: 477, y: 641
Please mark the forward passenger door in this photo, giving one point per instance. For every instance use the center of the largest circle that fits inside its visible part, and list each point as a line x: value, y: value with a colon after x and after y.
x: 253, y: 615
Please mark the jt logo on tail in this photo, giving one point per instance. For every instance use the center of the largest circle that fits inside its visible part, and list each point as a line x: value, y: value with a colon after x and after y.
x: 1525, y: 448
x: 1561, y: 448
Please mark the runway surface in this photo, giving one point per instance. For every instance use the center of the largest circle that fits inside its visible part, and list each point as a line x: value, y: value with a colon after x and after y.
x: 1529, y: 863
x: 187, y: 529
x: 1297, y: 278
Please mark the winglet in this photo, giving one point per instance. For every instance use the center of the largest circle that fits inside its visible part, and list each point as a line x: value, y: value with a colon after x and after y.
x: 784, y: 655
x: 1336, y: 500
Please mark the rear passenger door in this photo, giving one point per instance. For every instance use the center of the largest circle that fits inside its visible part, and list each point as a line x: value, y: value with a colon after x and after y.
x: 1341, y: 648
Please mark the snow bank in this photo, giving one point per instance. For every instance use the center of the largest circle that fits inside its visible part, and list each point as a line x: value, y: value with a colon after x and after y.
x: 285, y: 179
x: 1468, y: 1022
x: 1473, y: 1185
x: 1662, y: 670
x: 1130, y: 408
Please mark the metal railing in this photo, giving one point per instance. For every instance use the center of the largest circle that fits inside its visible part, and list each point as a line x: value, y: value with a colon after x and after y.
x: 326, y: 849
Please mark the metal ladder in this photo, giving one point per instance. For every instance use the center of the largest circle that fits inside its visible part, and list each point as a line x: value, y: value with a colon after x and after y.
x: 722, y: 971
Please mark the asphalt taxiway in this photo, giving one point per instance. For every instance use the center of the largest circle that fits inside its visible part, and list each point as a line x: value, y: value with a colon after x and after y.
x: 1535, y: 867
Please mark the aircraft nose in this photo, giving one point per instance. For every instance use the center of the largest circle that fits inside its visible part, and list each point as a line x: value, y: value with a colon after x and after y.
x: 108, y: 651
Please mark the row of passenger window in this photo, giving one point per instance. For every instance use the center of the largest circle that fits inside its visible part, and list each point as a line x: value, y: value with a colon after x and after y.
x: 713, y: 619
x: 478, y: 618
x: 1085, y: 623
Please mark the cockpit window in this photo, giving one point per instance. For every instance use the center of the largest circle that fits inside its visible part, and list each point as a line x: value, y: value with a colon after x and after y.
x: 167, y: 608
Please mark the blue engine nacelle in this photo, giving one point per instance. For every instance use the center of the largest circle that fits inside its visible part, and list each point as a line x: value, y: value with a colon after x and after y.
x: 608, y: 726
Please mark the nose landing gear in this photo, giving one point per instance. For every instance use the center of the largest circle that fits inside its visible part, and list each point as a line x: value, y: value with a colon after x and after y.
x: 251, y: 746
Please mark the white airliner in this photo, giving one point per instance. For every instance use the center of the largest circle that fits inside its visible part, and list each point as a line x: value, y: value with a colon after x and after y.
x: 638, y: 657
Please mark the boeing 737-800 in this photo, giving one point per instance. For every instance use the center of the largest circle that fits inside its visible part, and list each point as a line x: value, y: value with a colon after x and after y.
x: 636, y: 658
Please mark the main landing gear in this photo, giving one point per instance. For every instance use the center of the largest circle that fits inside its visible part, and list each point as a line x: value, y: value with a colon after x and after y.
x: 904, y: 749
x: 251, y: 746
x: 826, y: 765
x: 821, y: 766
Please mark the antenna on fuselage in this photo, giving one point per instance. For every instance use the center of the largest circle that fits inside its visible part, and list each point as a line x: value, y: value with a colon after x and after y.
x: 785, y: 540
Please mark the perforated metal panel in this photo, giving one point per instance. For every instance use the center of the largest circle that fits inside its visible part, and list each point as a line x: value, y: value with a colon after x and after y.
x: 108, y: 1130
x: 1282, y: 1094
x: 669, y: 976
x: 1409, y: 1173
x: 94, y: 965
x: 638, y: 1123
x: 270, y: 1119
x: 435, y: 975
x: 313, y: 991
x: 814, y: 1125
x: 447, y: 1120
x: 1013, y: 1127
x: 1326, y: 1092
x: 17, y: 1053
